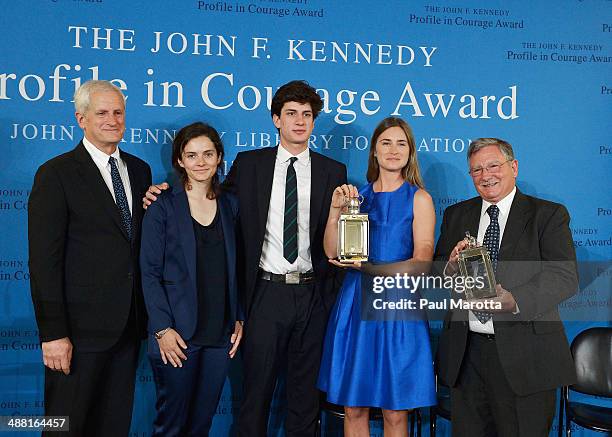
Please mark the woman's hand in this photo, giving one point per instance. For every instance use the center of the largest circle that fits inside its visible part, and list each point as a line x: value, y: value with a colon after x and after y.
x: 352, y: 265
x: 341, y: 194
x: 170, y: 348
x: 236, y: 337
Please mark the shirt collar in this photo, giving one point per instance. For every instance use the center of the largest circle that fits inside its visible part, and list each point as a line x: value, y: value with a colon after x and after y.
x: 98, y: 155
x: 283, y: 155
x: 503, y: 205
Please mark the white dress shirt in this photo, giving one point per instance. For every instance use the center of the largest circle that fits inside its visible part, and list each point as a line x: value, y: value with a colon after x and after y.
x: 504, y: 210
x: 272, y: 259
x: 101, y: 160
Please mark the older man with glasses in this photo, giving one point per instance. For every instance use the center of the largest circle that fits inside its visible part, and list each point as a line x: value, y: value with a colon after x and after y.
x: 504, y: 366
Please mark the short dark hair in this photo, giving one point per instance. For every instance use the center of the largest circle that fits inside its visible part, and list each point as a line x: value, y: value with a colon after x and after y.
x: 296, y: 91
x: 188, y: 133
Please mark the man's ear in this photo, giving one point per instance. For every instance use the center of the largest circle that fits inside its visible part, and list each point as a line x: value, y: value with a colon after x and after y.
x: 79, y: 118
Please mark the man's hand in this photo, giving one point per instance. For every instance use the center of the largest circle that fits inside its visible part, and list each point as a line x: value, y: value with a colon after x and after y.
x: 452, y: 266
x: 503, y: 303
x: 236, y: 337
x: 151, y: 194
x: 170, y: 348
x: 57, y: 354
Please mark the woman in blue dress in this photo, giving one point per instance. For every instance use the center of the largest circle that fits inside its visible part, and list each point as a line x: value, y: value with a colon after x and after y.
x: 374, y: 357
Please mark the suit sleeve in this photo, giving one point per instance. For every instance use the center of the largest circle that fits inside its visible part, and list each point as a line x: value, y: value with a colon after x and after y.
x: 558, y: 278
x: 337, y: 272
x: 442, y: 248
x: 343, y: 176
x: 47, y: 230
x: 152, y: 251
x: 148, y: 177
x: 240, y: 314
x: 231, y: 182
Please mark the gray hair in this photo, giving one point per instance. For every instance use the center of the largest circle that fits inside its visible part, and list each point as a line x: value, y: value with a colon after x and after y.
x: 82, y: 96
x: 480, y: 143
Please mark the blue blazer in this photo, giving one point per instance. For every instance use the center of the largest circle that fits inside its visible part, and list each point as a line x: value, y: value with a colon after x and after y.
x: 168, y: 262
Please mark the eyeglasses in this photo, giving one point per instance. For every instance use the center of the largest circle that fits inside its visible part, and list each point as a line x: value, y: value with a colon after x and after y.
x: 491, y: 168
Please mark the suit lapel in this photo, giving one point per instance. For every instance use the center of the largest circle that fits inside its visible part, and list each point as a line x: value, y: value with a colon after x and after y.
x: 227, y: 224
x: 265, y: 176
x: 520, y: 214
x: 318, y: 184
x: 137, y: 210
x: 472, y: 218
x: 92, y: 177
x: 185, y: 229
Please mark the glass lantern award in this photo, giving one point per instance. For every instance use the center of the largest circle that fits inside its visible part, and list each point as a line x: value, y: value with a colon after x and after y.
x: 353, y: 233
x: 475, y: 263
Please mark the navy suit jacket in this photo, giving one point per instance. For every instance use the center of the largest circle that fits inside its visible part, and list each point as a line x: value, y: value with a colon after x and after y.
x: 168, y: 262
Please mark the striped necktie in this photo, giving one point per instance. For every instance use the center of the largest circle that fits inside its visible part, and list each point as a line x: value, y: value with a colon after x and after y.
x: 290, y: 225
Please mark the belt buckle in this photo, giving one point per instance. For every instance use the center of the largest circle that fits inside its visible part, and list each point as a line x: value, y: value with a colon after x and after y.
x: 292, y: 278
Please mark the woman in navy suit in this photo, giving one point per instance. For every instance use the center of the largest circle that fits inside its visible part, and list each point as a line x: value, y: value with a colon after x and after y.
x: 188, y: 262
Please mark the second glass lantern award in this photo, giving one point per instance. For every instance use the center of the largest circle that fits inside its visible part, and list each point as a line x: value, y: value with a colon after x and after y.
x: 353, y: 233
x: 475, y: 263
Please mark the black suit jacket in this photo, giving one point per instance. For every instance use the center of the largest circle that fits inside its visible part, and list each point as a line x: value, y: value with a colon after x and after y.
x: 537, y: 264
x: 84, y: 273
x: 251, y: 179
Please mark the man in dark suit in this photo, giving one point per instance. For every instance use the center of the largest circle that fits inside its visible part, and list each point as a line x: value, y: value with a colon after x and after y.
x: 504, y: 366
x: 84, y: 218
x: 287, y: 284
x: 284, y: 196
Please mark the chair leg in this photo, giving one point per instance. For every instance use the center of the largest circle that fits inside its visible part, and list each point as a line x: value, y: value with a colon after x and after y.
x: 418, y: 423
x: 561, y: 406
x: 568, y: 422
x: 432, y: 423
x: 411, y: 434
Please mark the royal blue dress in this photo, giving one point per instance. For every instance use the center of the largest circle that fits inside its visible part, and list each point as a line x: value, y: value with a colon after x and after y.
x: 384, y: 363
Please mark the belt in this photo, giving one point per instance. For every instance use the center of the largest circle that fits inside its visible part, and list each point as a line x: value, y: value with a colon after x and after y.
x: 489, y: 337
x: 288, y: 278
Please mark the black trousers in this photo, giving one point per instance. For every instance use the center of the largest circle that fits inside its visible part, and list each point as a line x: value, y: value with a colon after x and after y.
x: 98, y: 393
x: 484, y: 405
x: 285, y: 328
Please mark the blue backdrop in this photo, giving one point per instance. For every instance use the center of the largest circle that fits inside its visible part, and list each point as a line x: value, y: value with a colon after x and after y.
x: 536, y: 74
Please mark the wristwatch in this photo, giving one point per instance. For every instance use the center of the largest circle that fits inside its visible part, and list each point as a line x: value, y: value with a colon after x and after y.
x: 160, y: 334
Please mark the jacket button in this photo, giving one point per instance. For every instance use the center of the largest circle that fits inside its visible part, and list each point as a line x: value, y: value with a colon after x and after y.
x: 130, y: 275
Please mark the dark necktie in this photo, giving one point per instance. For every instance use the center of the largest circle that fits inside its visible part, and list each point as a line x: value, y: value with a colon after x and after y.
x: 491, y: 242
x: 290, y: 225
x: 120, y: 198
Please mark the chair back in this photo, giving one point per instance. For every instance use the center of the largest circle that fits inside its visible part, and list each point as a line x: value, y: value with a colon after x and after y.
x: 592, y: 352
